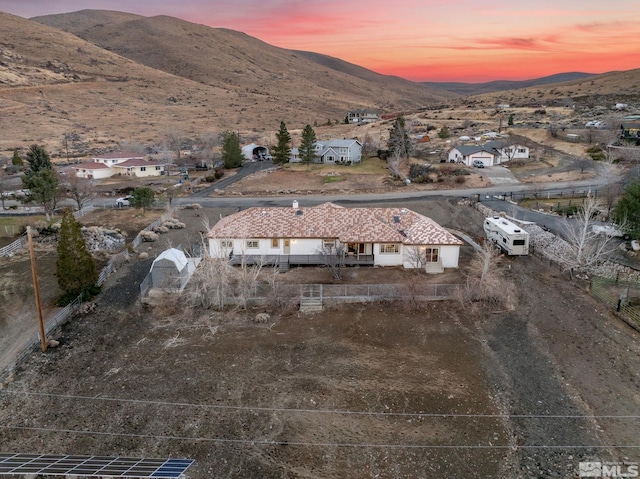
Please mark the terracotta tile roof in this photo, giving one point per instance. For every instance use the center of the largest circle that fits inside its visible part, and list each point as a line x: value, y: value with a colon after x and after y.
x: 136, y: 162
x: 353, y: 225
x: 90, y: 166
x: 119, y: 155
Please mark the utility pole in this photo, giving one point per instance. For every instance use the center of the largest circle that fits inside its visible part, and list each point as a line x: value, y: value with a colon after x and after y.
x: 36, y: 288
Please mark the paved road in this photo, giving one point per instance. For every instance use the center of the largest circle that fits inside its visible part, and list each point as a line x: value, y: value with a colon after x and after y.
x: 555, y: 224
x: 486, y: 193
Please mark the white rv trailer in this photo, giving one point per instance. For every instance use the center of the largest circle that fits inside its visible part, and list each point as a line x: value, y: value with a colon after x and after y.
x: 511, y: 239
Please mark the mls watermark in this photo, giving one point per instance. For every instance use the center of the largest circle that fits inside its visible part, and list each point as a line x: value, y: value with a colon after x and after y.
x: 607, y: 469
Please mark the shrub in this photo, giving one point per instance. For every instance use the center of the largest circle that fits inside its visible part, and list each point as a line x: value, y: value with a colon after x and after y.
x: 460, y: 179
x: 418, y: 171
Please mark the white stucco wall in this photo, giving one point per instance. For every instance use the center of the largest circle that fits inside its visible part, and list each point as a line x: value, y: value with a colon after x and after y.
x: 95, y: 174
x: 387, y: 259
x: 450, y: 256
x: 149, y: 171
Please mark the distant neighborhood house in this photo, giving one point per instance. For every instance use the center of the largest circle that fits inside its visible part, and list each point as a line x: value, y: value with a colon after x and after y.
x: 363, y: 116
x: 333, y: 152
x: 119, y: 163
x: 630, y: 130
x: 491, y: 153
x: 296, y: 235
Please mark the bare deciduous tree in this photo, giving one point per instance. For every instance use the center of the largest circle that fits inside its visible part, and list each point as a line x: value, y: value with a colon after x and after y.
x: 246, y: 279
x: 174, y: 140
x: 585, y: 246
x: 393, y: 163
x: 80, y: 190
x: 333, y: 258
x: 487, y: 281
x: 416, y: 255
x: 210, y: 285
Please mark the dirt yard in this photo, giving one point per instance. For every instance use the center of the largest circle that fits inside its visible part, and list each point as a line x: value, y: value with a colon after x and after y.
x: 356, y: 391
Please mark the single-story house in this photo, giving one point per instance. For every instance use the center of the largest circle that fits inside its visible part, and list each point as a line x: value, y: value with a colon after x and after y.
x: 139, y: 168
x: 363, y: 116
x: 510, y: 151
x: 255, y: 152
x: 333, y: 152
x: 467, y: 154
x: 296, y: 235
x: 119, y: 163
x: 491, y: 153
x: 93, y: 171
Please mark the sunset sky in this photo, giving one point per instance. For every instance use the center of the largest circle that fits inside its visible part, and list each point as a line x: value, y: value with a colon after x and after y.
x: 420, y: 40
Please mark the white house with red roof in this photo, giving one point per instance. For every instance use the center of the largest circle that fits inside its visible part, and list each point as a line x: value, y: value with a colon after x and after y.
x: 119, y: 163
x: 365, y: 236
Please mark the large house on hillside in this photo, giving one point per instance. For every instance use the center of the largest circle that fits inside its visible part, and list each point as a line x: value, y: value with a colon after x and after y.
x: 119, y: 163
x: 334, y: 151
x: 296, y: 235
x: 491, y: 153
x: 363, y: 115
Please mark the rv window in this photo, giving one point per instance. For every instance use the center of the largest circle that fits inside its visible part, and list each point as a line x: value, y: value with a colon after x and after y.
x: 518, y: 242
x: 504, y: 240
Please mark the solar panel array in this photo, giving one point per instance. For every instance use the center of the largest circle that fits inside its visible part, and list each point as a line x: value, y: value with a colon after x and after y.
x: 103, y: 466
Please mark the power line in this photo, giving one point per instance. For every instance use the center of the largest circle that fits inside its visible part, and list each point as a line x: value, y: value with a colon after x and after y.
x: 263, y: 442
x: 318, y: 411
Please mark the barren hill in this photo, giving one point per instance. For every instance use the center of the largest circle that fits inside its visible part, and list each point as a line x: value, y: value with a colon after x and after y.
x: 180, y: 76
x: 234, y: 60
x: 606, y: 89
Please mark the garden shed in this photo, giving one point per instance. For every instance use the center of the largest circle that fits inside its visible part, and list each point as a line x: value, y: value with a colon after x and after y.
x: 171, y: 270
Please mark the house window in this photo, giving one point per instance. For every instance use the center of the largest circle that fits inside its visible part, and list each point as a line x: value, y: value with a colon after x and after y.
x: 432, y: 255
x: 389, y: 248
x: 522, y: 150
x: 158, y: 168
x: 328, y: 244
x: 143, y: 168
x: 275, y: 243
x: 252, y: 244
x: 330, y: 159
x: 226, y: 244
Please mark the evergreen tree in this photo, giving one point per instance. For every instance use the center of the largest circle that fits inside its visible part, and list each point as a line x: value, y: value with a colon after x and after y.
x: 40, y: 179
x: 282, y: 151
x: 308, y: 145
x: 399, y: 142
x: 627, y: 211
x: 38, y: 159
x: 75, y: 268
x: 444, y: 132
x: 142, y: 197
x: 16, y: 160
x: 231, y: 151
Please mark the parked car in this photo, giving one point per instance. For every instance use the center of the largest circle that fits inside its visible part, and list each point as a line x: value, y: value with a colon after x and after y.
x: 478, y: 163
x: 607, y: 230
x: 124, y: 201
